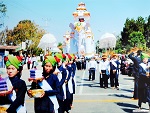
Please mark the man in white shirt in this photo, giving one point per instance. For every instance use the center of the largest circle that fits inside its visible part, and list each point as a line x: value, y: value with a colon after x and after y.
x: 104, y: 69
x: 92, y: 67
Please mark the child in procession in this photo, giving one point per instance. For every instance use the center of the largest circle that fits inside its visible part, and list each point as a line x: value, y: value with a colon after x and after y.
x: 47, y: 102
x: 15, y: 96
x: 62, y: 74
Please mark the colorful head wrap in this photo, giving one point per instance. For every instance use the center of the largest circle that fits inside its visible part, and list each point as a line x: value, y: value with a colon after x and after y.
x: 144, y: 55
x: 57, y: 59
x: 58, y: 55
x: 64, y: 57
x: 69, y: 57
x: 73, y: 57
x: 16, y: 61
x: 50, y: 59
x: 61, y: 56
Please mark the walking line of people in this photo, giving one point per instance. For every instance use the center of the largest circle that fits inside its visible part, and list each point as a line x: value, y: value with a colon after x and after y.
x: 108, y: 69
x: 58, y: 83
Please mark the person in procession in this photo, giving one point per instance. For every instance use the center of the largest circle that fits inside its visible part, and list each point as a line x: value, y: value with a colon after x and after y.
x: 114, y: 71
x: 104, y: 69
x: 135, y: 57
x: 15, y: 96
x: 92, y: 67
x: 144, y: 81
x: 47, y: 102
x: 73, y: 65
x: 34, y: 61
x: 69, y: 86
x: 28, y: 61
x: 62, y: 74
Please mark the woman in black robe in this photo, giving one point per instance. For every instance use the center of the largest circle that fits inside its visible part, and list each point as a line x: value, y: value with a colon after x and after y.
x: 144, y: 81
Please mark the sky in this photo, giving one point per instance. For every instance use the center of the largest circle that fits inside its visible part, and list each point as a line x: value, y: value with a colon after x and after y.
x: 107, y: 16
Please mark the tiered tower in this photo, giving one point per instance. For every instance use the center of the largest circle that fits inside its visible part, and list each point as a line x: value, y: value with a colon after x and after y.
x: 81, y: 36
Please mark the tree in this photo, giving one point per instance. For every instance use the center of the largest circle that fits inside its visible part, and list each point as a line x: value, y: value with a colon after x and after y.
x: 132, y: 26
x: 137, y: 39
x: 35, y: 41
x: 3, y: 36
x: 147, y: 31
x: 3, y: 10
x: 26, y: 31
x: 119, y: 46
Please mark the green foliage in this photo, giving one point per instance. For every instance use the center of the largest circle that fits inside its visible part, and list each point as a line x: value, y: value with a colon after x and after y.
x: 131, y: 26
x: 135, y: 33
x: 118, y: 43
x: 147, y: 31
x: 3, y: 10
x: 136, y: 39
x: 26, y: 31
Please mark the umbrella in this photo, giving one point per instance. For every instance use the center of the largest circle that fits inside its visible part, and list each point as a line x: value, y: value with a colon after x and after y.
x: 107, y: 41
x: 47, y: 41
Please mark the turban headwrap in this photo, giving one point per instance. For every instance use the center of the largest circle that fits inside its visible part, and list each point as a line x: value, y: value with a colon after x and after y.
x: 61, y: 56
x: 144, y: 55
x: 16, y: 61
x: 58, y: 57
x: 50, y: 59
x: 73, y: 57
x: 69, y: 57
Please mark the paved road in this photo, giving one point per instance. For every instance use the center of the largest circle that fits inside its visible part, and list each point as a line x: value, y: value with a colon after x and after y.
x: 90, y: 98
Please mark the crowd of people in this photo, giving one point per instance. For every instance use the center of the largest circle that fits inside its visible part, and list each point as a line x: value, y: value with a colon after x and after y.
x: 141, y: 75
x: 110, y: 67
x: 59, y: 82
x: 107, y: 68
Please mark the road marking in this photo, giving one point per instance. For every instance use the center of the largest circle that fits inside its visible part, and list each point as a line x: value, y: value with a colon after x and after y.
x: 82, y: 80
x: 91, y: 94
x: 108, y: 100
